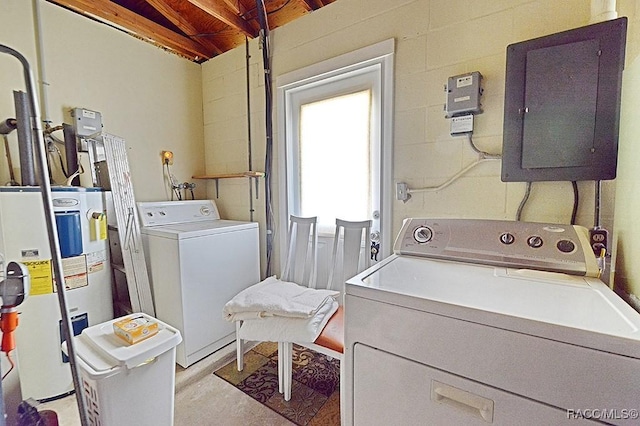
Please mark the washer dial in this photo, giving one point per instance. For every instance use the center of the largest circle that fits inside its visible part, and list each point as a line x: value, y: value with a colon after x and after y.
x: 507, y: 238
x: 422, y: 234
x: 535, y: 241
x: 566, y: 246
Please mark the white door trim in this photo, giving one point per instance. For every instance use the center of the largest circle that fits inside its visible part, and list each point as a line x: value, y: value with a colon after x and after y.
x: 379, y: 53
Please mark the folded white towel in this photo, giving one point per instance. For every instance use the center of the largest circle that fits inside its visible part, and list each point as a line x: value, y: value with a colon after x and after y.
x: 283, y: 329
x: 275, y: 297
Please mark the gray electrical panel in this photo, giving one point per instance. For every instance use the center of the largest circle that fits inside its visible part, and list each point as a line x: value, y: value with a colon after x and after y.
x: 87, y: 125
x: 562, y: 105
x: 463, y: 94
x: 561, y: 92
x: 86, y: 122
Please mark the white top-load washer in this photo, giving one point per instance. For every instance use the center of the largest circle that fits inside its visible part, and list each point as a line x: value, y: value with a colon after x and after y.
x: 489, y: 322
x: 197, y: 262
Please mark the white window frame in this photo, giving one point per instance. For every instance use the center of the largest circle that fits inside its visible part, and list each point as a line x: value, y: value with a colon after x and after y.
x: 378, y: 57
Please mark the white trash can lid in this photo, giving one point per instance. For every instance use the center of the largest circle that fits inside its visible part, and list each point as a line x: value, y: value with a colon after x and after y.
x: 101, y: 349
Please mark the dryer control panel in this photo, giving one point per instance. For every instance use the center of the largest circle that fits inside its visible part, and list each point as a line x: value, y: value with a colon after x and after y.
x: 157, y: 213
x: 528, y: 245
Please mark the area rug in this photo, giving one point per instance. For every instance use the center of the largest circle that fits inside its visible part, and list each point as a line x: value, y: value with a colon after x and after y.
x: 315, y: 395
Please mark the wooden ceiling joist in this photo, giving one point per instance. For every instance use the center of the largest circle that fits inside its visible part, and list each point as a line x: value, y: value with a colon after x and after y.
x: 313, y: 4
x: 220, y: 12
x: 194, y: 29
x: 110, y: 12
x: 185, y: 26
x: 234, y: 5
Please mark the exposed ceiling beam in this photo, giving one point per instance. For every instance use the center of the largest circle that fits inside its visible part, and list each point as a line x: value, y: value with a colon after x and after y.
x: 313, y: 4
x: 233, y: 5
x: 251, y: 14
x: 219, y: 11
x: 109, y: 12
x: 179, y: 21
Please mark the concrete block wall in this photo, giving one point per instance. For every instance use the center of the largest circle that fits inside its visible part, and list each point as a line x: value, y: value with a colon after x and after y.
x: 434, y: 39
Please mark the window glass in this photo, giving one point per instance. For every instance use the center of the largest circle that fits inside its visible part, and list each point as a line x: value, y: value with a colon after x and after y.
x: 335, y: 159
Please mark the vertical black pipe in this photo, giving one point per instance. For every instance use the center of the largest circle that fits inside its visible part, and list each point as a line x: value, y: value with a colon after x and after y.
x: 25, y: 140
x: 596, y: 213
x: 266, y: 59
x: 250, y: 158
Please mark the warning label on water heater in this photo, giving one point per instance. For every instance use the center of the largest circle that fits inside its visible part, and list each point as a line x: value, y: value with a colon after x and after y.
x: 96, y: 261
x: 41, y: 277
x: 75, y: 272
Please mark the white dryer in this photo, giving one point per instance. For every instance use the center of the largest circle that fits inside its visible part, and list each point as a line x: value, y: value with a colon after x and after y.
x: 197, y: 262
x: 489, y: 322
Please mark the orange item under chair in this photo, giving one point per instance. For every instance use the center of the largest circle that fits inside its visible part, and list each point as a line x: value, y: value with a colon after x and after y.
x: 8, y: 324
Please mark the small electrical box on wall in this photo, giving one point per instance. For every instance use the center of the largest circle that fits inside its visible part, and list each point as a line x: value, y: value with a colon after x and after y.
x: 463, y: 94
x: 461, y: 125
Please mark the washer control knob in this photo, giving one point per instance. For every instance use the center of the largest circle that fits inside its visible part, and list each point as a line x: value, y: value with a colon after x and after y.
x: 422, y: 234
x: 566, y: 246
x: 507, y: 238
x: 535, y: 241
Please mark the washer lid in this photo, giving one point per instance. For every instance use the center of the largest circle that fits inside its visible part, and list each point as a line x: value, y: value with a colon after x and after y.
x: 181, y: 231
x: 568, y: 308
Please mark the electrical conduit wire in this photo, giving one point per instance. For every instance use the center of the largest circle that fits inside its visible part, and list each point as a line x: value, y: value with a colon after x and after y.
x: 266, y: 58
x: 249, y: 148
x: 527, y: 192
x: 11, y: 364
x: 482, y: 154
x: 576, y: 200
x: 451, y: 179
x: 598, y: 200
x: 482, y: 157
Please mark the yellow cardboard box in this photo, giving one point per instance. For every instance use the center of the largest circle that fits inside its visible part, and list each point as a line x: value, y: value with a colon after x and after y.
x: 135, y: 329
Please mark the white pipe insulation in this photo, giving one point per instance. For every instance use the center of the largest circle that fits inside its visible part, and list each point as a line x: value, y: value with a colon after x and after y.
x: 603, y: 10
x: 42, y: 75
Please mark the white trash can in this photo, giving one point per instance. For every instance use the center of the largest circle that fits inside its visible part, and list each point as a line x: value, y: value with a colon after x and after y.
x: 127, y: 384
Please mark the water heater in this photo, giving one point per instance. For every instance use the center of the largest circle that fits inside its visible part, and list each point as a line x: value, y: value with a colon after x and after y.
x: 44, y: 370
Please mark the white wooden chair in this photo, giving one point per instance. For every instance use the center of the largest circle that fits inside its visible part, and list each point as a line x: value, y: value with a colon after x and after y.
x: 300, y: 268
x: 347, y: 262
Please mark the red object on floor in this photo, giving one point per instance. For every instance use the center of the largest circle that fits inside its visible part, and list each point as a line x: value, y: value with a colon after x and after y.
x: 49, y: 417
